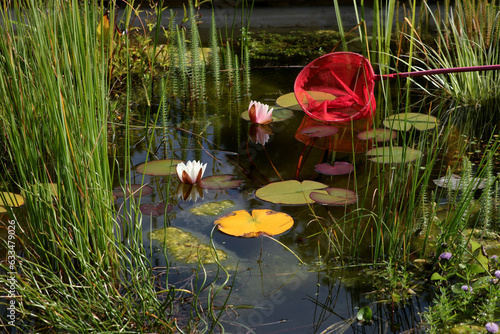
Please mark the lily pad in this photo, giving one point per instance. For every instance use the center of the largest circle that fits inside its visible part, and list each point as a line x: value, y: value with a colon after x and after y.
x: 212, y: 208
x: 219, y: 182
x: 279, y: 114
x: 405, y: 121
x: 134, y: 190
x: 289, y: 192
x: 10, y: 199
x: 158, y: 167
x: 289, y: 100
x: 455, y: 182
x: 335, y: 196
x: 320, y: 131
x: 338, y: 168
x: 261, y: 222
x: 394, y: 154
x: 380, y: 135
x: 185, y: 247
x: 150, y: 209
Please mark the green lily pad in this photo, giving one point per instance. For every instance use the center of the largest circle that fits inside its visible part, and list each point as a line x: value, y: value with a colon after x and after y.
x: 289, y: 100
x: 405, y: 121
x: 10, y: 199
x: 158, y: 167
x: 393, y: 154
x: 184, y: 247
x: 335, y: 197
x: 279, y: 114
x: 219, y: 182
x: 320, y: 131
x: 134, y: 190
x: 212, y: 208
x: 380, y: 135
x: 289, y: 192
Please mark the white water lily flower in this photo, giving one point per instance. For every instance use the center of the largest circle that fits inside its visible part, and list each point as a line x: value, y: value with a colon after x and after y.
x: 259, y: 113
x: 190, y: 172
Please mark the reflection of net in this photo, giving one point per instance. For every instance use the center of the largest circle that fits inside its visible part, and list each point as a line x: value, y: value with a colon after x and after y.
x: 348, y: 77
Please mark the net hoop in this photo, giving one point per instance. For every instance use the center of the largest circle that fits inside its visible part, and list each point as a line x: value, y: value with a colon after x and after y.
x: 337, y: 87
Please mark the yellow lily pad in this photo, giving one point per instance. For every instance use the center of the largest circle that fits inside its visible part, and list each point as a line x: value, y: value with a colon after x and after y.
x: 184, y: 247
x: 10, y: 199
x: 261, y: 222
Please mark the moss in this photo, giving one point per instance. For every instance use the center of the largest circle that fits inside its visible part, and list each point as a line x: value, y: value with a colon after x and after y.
x: 293, y: 48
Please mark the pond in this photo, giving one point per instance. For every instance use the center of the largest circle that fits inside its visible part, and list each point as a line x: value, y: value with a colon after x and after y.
x: 269, y: 289
x: 383, y: 224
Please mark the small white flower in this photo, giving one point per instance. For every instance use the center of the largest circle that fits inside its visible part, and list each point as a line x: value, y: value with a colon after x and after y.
x: 259, y: 113
x: 190, y: 172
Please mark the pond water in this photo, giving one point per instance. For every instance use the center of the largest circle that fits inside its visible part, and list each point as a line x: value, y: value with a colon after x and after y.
x: 270, y: 290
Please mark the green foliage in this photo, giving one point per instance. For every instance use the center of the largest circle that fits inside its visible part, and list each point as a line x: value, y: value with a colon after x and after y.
x: 84, y: 268
x: 293, y: 48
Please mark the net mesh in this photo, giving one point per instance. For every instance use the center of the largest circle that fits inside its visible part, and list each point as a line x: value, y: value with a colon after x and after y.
x: 337, y: 87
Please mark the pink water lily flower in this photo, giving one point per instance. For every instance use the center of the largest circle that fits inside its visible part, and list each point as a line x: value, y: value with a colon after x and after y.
x: 259, y: 113
x: 190, y: 172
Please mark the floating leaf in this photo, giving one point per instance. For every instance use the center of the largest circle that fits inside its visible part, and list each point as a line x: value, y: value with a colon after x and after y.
x: 289, y: 192
x: 10, y: 199
x: 150, y: 209
x: 219, y: 182
x: 185, y: 247
x: 380, y: 135
x: 405, y: 121
x: 455, y: 182
x: 212, y: 208
x: 134, y: 190
x: 335, y: 197
x: 364, y: 314
x: 394, y: 154
x: 279, y: 114
x: 262, y: 222
x: 158, y: 167
x: 289, y: 100
x: 320, y: 131
x: 338, y: 168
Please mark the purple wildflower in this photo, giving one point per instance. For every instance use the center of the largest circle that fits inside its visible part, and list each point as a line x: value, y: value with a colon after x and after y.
x: 494, y: 257
x: 497, y: 273
x: 445, y: 256
x: 491, y: 327
x: 467, y: 288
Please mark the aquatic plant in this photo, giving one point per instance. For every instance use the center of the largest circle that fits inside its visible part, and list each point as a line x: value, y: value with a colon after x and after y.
x: 260, y: 113
x: 78, y: 254
x: 190, y: 172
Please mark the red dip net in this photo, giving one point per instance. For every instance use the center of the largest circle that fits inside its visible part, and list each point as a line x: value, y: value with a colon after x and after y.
x: 337, y: 87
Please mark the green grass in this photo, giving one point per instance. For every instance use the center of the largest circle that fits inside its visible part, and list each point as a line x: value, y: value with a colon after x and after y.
x: 84, y: 267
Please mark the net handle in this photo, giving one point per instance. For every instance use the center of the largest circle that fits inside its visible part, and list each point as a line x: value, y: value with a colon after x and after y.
x: 436, y: 71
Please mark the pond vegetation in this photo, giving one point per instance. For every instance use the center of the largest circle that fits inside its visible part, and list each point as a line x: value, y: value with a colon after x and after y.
x: 176, y: 188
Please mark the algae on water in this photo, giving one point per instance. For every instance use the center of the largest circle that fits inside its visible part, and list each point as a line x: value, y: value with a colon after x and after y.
x: 212, y: 208
x: 185, y: 247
